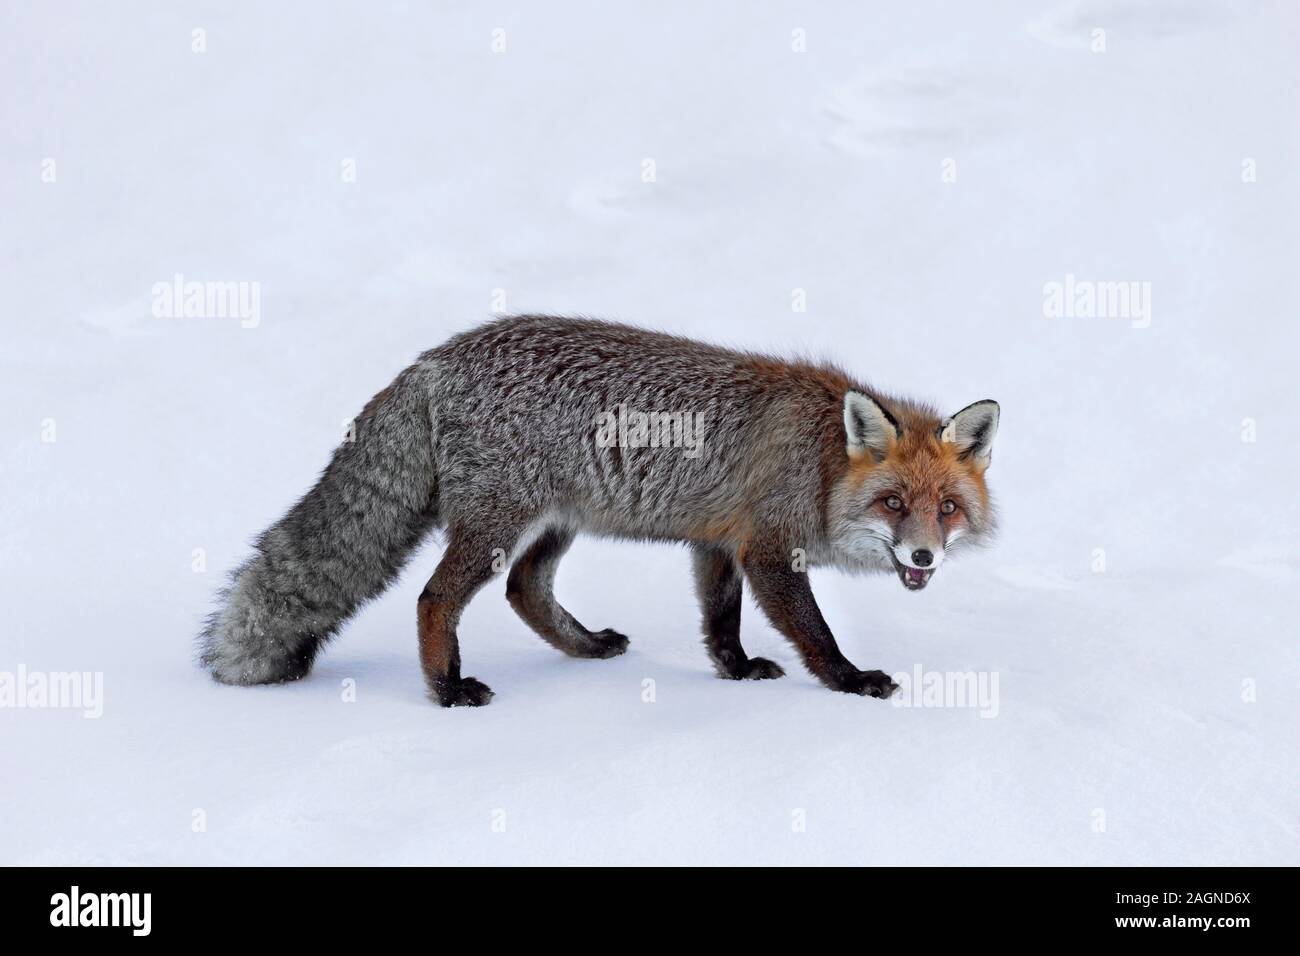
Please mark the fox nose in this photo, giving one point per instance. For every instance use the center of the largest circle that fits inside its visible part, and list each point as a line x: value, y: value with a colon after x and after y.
x: 922, y: 558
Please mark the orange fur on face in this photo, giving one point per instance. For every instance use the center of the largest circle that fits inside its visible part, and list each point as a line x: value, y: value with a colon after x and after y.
x: 923, y: 471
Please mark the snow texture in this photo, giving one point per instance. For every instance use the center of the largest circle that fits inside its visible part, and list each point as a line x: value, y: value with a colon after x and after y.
x: 920, y: 171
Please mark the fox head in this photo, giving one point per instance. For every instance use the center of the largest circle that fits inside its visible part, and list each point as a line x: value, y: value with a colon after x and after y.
x: 914, y: 490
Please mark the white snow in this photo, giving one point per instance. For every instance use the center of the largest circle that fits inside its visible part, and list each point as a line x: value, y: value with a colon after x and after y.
x: 1146, y: 714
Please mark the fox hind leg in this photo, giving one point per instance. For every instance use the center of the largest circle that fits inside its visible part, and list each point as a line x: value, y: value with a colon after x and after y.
x: 530, y: 589
x: 465, y: 567
x: 718, y: 584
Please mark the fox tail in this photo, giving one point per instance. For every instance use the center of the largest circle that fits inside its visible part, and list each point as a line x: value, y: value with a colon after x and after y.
x: 337, y: 548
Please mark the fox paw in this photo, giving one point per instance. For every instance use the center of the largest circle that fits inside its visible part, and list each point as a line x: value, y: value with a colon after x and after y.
x: 466, y: 692
x: 607, y: 643
x: 760, y: 668
x: 867, y: 683
x: 732, y: 667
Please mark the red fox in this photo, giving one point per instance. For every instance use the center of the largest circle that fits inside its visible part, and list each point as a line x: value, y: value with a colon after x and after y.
x: 519, y: 434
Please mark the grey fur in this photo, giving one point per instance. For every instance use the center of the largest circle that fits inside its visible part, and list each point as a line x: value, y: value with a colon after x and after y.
x: 339, y: 546
x: 491, y: 436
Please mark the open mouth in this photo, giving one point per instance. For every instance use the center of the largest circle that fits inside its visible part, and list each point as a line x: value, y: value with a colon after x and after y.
x: 914, y: 579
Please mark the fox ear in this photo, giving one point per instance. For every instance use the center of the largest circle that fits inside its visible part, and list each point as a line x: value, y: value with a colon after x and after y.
x: 972, y: 430
x: 868, y: 427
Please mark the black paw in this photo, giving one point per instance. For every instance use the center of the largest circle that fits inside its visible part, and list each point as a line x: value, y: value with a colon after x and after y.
x: 866, y: 683
x: 732, y: 667
x: 466, y: 692
x: 760, y: 668
x: 607, y: 643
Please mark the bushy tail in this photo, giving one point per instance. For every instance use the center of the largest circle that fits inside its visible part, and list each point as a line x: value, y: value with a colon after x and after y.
x: 336, y: 548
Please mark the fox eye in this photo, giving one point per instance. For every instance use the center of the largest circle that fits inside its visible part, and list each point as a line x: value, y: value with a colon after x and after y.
x: 894, y: 503
x: 948, y: 507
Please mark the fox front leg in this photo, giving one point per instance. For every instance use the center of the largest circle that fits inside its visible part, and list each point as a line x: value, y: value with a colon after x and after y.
x: 717, y: 583
x: 786, y: 598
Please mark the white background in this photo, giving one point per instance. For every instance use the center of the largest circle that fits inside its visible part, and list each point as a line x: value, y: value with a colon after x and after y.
x: 1124, y: 695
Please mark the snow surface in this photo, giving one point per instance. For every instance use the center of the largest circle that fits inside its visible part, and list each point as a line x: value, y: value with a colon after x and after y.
x: 1147, y: 714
